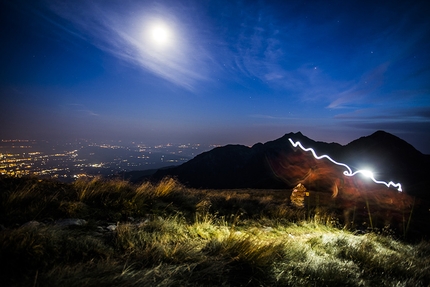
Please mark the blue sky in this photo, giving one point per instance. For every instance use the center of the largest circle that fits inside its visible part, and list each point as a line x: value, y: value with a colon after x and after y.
x: 228, y: 71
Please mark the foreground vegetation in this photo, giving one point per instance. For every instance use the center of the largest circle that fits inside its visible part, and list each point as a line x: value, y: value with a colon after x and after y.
x: 116, y: 234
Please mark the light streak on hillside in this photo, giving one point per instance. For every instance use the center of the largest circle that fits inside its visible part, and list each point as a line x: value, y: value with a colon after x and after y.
x: 347, y: 172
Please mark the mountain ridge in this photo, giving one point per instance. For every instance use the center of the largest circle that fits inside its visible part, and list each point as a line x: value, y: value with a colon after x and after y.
x: 277, y: 164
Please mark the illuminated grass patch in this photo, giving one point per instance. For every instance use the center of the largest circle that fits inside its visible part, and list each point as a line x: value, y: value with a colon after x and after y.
x: 168, y: 235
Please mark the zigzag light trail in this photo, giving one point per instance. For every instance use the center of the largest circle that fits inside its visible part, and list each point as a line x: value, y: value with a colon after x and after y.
x: 347, y: 172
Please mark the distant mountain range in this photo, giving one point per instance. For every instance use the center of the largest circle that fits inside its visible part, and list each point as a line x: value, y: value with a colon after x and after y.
x: 277, y: 164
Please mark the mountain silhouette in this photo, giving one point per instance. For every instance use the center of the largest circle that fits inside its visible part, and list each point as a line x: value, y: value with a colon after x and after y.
x: 277, y: 164
x: 392, y: 158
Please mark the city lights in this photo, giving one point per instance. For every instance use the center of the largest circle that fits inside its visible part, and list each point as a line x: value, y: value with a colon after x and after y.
x: 70, y: 160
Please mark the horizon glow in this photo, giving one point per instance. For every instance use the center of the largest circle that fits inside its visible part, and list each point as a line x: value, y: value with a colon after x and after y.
x: 348, y: 172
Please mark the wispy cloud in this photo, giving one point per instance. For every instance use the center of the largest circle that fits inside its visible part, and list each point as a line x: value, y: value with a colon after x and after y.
x: 404, y: 114
x: 270, y: 50
x: 81, y: 110
x: 363, y: 89
x: 121, y: 29
x: 258, y: 51
x: 269, y: 117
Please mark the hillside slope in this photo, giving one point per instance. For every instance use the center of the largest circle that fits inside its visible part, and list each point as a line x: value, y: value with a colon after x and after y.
x: 277, y: 164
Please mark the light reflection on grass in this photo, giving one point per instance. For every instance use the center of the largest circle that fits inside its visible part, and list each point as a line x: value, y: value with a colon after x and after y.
x: 168, y: 235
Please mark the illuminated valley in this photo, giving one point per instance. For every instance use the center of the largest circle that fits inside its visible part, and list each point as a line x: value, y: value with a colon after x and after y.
x: 82, y: 158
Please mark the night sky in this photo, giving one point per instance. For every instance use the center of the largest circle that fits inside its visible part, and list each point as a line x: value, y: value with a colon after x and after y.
x: 214, y: 72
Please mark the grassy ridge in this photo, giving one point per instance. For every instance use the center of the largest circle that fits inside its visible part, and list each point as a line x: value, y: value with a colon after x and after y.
x: 168, y: 235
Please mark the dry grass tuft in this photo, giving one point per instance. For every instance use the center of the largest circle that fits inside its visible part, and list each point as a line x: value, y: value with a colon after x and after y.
x: 168, y: 235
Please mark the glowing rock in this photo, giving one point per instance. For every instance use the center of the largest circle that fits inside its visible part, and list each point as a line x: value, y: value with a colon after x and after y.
x: 298, y: 196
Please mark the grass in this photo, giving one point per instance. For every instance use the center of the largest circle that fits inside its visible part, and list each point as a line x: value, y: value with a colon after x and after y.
x: 167, y: 235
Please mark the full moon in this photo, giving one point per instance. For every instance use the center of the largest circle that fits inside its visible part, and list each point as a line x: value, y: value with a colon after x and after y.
x: 160, y: 34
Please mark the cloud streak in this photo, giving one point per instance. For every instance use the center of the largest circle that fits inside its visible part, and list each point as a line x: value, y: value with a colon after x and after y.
x: 267, y: 49
x: 411, y: 114
x: 357, y: 93
x: 81, y: 110
x: 123, y: 32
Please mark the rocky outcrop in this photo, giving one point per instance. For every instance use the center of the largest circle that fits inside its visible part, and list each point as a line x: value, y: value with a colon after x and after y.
x: 298, y: 196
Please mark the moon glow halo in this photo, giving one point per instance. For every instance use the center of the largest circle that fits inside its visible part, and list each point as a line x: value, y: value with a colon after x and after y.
x: 160, y: 34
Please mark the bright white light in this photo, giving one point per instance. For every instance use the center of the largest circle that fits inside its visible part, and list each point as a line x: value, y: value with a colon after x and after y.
x: 367, y: 173
x: 347, y: 172
x: 160, y: 34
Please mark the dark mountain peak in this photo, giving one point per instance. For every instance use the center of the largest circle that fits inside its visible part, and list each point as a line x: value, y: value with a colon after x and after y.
x: 230, y: 166
x: 391, y: 157
x: 384, y: 136
x: 296, y: 136
x: 299, y: 133
x: 227, y: 153
x: 278, y: 164
x: 381, y: 141
x: 257, y: 146
x: 318, y: 146
x: 381, y: 133
x: 304, y: 139
x: 283, y: 141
